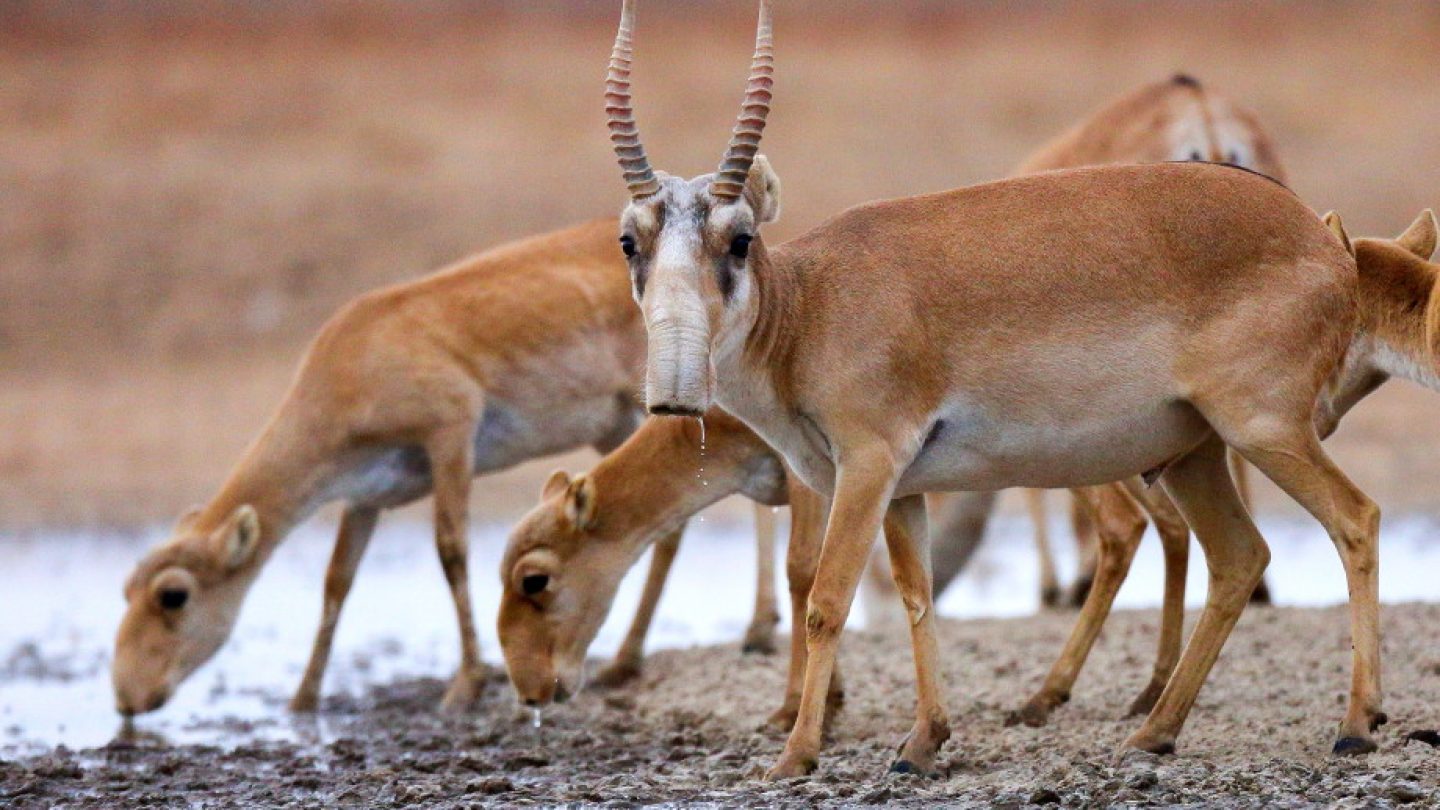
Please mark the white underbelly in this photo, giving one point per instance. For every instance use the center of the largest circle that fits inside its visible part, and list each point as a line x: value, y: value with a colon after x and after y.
x: 1055, y: 452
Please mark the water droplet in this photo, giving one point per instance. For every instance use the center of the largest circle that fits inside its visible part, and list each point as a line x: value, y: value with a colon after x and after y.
x: 535, y: 717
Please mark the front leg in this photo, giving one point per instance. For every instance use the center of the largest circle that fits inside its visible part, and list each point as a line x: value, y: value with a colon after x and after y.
x: 907, y: 537
x: 864, y: 482
x: 808, y: 511
x: 451, y: 452
x: 630, y: 657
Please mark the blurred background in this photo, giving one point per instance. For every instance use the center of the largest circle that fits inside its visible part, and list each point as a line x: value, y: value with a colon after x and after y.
x: 188, y: 189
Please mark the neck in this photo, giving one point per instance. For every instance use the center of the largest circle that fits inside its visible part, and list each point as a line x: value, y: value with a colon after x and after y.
x: 1393, y: 337
x: 660, y: 477
x: 281, y: 476
x: 762, y: 336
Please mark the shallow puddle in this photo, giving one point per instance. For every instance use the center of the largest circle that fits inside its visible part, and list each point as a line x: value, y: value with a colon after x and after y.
x: 63, y: 602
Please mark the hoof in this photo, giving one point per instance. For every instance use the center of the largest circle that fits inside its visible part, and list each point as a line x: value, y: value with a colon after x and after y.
x: 762, y: 643
x: 1353, y: 746
x: 1261, y: 594
x: 1050, y: 596
x: 464, y: 692
x: 1138, y: 745
x: 1081, y: 592
x: 1380, y: 719
x: 304, y: 704
x: 1035, y: 713
x: 790, y: 767
x: 906, y: 766
x: 783, y: 719
x: 1145, y: 701
x: 616, y: 674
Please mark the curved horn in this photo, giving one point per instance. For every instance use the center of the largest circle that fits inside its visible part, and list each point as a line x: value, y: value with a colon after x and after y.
x: 729, y: 182
x: 624, y: 133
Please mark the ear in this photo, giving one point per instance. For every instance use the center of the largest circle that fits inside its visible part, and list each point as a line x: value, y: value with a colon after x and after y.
x: 762, y: 190
x: 1420, y: 237
x: 557, y: 483
x: 580, y: 503
x: 1332, y: 221
x: 240, y: 537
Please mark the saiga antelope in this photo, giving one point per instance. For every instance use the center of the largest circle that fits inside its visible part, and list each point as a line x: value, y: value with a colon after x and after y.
x: 1064, y: 329
x: 589, y: 530
x: 1399, y: 321
x: 1172, y: 120
x: 530, y: 349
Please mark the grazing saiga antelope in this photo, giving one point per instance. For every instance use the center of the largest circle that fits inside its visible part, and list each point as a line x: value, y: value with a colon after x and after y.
x: 1172, y: 120
x: 565, y: 559
x: 1064, y: 329
x: 529, y: 349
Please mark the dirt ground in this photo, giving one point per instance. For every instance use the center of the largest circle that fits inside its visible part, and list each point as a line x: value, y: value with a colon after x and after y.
x: 691, y: 732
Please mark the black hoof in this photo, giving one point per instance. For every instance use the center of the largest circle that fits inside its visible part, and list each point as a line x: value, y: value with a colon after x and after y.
x: 1352, y: 746
x: 1081, y: 591
x: 1050, y: 597
x: 1379, y: 720
x: 1428, y: 736
x: 906, y: 766
x: 1164, y: 750
x: 1261, y: 594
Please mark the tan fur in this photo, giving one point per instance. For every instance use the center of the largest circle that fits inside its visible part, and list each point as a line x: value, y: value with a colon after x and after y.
x: 640, y: 493
x: 1067, y: 328
x: 535, y: 345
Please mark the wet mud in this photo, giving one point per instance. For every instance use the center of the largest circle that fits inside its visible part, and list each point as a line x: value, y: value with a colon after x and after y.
x: 691, y: 730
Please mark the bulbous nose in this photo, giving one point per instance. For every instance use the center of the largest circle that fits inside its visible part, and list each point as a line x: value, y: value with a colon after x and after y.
x: 674, y: 409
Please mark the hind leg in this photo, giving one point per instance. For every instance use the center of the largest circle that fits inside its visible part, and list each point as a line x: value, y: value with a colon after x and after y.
x: 1240, y: 471
x: 1175, y: 540
x: 760, y: 635
x: 1120, y: 525
x: 625, y: 667
x: 1298, y: 465
x: 1236, y: 555
x: 1086, y: 552
x: 1049, y: 582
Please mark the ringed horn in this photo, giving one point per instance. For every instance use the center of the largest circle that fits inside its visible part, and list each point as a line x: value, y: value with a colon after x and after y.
x: 729, y: 181
x: 624, y: 133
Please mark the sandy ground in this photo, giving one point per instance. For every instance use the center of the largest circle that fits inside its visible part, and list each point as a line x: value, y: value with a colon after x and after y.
x: 691, y: 732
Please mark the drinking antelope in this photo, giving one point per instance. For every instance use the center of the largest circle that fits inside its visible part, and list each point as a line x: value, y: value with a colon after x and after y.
x: 1064, y: 329
x: 565, y: 559
x: 530, y: 349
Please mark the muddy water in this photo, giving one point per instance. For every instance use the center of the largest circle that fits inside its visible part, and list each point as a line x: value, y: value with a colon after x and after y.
x: 396, y: 641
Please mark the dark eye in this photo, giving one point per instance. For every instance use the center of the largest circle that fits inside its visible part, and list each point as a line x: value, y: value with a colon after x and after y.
x: 174, y: 598
x: 1195, y: 154
x: 627, y: 244
x: 740, y: 245
x: 534, y: 583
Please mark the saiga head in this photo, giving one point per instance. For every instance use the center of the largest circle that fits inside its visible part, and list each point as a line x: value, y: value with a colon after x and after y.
x: 183, y: 599
x: 692, y: 245
x: 558, y: 580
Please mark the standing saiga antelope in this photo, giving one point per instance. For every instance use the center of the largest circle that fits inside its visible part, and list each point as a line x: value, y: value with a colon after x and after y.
x: 530, y: 349
x: 1176, y: 119
x: 586, y: 533
x: 1064, y: 329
